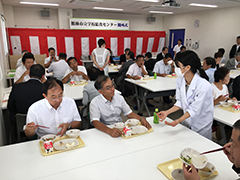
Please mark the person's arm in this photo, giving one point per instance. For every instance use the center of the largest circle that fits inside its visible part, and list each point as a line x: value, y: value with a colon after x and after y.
x: 64, y: 126
x: 22, y: 77
x: 143, y: 70
x: 102, y: 127
x: 227, y: 151
x: 48, y: 64
x: 163, y: 114
x: 66, y: 78
x: 179, y: 120
x: 220, y: 98
x: 133, y: 77
x: 143, y: 121
x: 80, y: 73
x: 95, y: 62
x: 190, y: 172
x: 106, y: 63
x: 30, y: 129
x: 162, y: 75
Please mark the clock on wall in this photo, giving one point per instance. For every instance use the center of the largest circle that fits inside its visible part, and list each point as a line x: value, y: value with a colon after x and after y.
x: 196, y: 23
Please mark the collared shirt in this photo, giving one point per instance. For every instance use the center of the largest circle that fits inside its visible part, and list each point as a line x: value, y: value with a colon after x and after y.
x: 108, y: 112
x: 161, y: 68
x: 42, y: 113
x: 19, y: 62
x: 58, y: 68
x: 210, y: 74
x: 134, y: 70
x: 177, y: 48
x: 76, y: 77
x: 48, y: 59
x: 19, y: 72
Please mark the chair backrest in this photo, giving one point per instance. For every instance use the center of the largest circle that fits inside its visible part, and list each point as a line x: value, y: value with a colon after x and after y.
x: 20, y: 122
x: 40, y: 58
x: 13, y: 60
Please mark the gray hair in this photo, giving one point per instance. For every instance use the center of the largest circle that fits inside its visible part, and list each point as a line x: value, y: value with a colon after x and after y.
x: 237, y: 126
x: 237, y: 54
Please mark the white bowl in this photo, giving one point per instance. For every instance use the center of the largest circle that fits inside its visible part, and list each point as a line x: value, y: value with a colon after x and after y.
x: 73, y: 133
x: 132, y: 122
x: 225, y: 104
x: 177, y: 174
x: 198, y: 160
x: 146, y: 76
x: 232, y: 102
x: 207, y: 170
x: 51, y: 137
x: 119, y: 125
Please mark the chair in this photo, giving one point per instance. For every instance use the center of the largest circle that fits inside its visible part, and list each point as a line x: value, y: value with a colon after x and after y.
x: 20, y: 122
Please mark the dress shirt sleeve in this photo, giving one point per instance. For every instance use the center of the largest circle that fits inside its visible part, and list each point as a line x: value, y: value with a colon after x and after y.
x: 46, y: 60
x: 31, y: 116
x: 130, y: 70
x: 18, y: 74
x: 175, y: 48
x: 155, y: 69
x: 95, y: 113
x: 126, y: 110
x: 50, y: 68
x: 66, y: 73
x: 84, y: 70
x: 178, y: 94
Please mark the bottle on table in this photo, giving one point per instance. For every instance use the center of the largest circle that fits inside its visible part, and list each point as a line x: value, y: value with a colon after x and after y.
x: 155, y: 117
x: 155, y: 75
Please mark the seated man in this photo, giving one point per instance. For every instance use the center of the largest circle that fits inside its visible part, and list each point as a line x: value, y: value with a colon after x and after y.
x: 106, y: 108
x: 162, y: 68
x: 137, y: 69
x: 75, y: 72
x: 209, y: 66
x: 59, y: 67
x: 54, y: 111
x: 232, y: 151
x: 182, y: 49
x: 123, y: 56
x: 23, y: 95
x: 218, y: 57
x: 51, y: 58
x: 149, y: 64
x: 19, y: 61
x: 234, y: 62
x: 161, y: 55
x: 22, y: 72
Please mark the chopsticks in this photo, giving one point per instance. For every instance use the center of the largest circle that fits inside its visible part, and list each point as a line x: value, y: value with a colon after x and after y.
x: 43, y: 126
x: 215, y: 150
x: 227, y: 94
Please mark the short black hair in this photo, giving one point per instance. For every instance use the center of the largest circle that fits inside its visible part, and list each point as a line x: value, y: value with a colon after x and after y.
x: 182, y: 47
x: 70, y: 58
x: 110, y: 51
x: 148, y: 54
x: 217, y: 55
x: 180, y: 40
x: 238, y: 37
x: 51, y: 48
x: 131, y: 54
x: 62, y: 55
x: 220, y: 74
x: 50, y: 83
x: 101, y: 42
x: 168, y: 55
x: 127, y: 49
x: 164, y: 48
x: 37, y: 71
x: 93, y: 73
x: 221, y: 50
x: 139, y: 56
x: 100, y: 81
x: 210, y: 61
x: 236, y: 125
x: 27, y: 55
x: 24, y: 51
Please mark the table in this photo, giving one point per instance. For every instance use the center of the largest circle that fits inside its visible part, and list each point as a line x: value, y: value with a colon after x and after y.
x: 224, y: 118
x: 145, y: 89
x: 234, y: 73
x: 113, y: 71
x: 104, y: 157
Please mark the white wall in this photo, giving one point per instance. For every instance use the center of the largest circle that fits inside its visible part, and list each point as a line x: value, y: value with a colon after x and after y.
x: 63, y: 18
x: 218, y: 28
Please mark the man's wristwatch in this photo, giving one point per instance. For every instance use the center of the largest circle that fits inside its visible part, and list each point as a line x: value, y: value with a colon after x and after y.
x: 69, y: 127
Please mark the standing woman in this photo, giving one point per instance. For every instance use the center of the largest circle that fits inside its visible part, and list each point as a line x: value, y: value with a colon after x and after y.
x: 193, y: 95
x: 100, y: 57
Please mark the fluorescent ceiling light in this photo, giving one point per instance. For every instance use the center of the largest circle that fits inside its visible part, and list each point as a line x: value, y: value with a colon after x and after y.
x: 109, y: 9
x: 42, y: 4
x: 203, y: 5
x: 148, y: 0
x: 160, y: 12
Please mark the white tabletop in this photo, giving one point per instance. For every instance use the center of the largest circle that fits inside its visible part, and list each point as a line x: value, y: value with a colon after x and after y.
x: 104, y: 157
x: 234, y: 73
x: 156, y: 85
x: 113, y: 69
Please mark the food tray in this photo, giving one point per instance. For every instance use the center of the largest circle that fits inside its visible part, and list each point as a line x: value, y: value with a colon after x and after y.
x: 170, y: 76
x: 43, y: 152
x: 228, y: 109
x: 124, y: 137
x: 150, y: 78
x: 167, y: 167
x: 78, y: 84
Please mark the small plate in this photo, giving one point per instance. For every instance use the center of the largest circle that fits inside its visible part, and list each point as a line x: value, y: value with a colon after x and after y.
x: 199, y: 161
x: 51, y: 137
x: 177, y: 174
x: 65, y: 144
x: 138, y: 129
x: 132, y: 122
x: 119, y: 125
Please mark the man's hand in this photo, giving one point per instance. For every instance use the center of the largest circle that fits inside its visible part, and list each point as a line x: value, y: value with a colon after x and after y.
x: 115, y: 132
x: 73, y: 73
x: 54, y: 58
x: 31, y: 127
x: 136, y: 77
x: 64, y: 127
x: 145, y: 123
x: 227, y: 151
x: 164, y: 75
x: 79, y: 73
x: 27, y: 72
x: 162, y: 115
x: 192, y: 174
x: 101, y: 69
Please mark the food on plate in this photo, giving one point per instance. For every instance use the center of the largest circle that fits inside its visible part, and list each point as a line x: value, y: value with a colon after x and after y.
x: 132, y: 122
x: 70, y: 145
x: 138, y: 129
x: 65, y: 144
x: 207, y: 170
x: 48, y: 137
x: 188, y: 159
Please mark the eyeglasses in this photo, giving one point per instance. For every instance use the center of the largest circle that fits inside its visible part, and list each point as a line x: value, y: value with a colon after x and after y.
x: 56, y: 98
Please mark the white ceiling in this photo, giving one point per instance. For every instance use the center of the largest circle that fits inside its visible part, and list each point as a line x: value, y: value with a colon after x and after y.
x: 129, y: 6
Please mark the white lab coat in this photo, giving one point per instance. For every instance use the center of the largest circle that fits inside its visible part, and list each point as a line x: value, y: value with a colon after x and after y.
x: 198, y: 102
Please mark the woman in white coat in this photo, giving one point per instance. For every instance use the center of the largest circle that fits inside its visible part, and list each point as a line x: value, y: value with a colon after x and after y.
x: 193, y: 95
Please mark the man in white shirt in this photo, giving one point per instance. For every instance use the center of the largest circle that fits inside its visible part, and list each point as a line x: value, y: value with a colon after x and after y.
x: 106, y: 108
x: 19, y: 61
x: 51, y: 58
x: 209, y: 66
x: 137, y: 69
x: 177, y: 47
x: 161, y: 55
x: 162, y: 68
x: 22, y: 72
x: 55, y: 111
x: 59, y: 67
x: 74, y: 73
